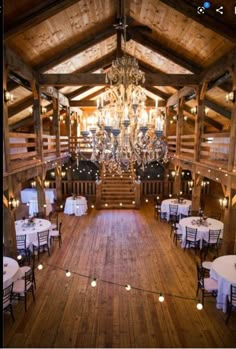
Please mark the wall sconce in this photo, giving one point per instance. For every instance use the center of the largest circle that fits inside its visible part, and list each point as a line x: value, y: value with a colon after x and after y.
x: 63, y: 174
x: 53, y: 174
x: 231, y: 96
x: 224, y: 202
x: 8, y: 97
x: 46, y: 184
x: 173, y: 173
x: 190, y: 184
x: 13, y: 203
x: 33, y: 184
x: 185, y: 117
x: 30, y: 110
x: 194, y: 110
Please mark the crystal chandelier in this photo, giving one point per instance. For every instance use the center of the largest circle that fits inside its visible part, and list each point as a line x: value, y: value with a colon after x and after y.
x: 124, y: 132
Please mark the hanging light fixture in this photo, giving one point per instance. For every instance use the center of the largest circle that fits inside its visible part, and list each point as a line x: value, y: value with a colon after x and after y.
x: 123, y: 131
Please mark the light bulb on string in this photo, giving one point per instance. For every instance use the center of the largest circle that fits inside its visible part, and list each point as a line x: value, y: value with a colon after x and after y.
x: 94, y: 283
x: 68, y: 273
x: 19, y: 257
x: 199, y: 305
x: 40, y: 266
x: 127, y: 287
x: 161, y: 298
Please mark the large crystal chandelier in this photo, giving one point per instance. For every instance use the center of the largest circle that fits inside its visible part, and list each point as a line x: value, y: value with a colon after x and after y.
x: 123, y: 131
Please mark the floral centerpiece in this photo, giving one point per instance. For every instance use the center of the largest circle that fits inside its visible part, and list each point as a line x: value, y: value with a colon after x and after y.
x: 31, y: 220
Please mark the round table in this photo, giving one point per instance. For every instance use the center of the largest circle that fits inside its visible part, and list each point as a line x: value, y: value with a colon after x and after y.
x: 10, y: 271
x: 202, y: 230
x: 31, y: 230
x: 182, y: 207
x: 223, y: 269
x: 77, y: 206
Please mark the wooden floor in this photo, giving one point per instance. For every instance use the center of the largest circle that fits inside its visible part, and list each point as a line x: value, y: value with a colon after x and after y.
x: 121, y: 246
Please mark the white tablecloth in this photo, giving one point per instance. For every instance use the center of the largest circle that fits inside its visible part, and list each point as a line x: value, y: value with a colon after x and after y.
x: 78, y: 206
x: 33, y: 207
x: 31, y: 194
x: 182, y: 208
x: 202, y: 231
x: 31, y: 231
x: 10, y: 271
x: 223, y: 269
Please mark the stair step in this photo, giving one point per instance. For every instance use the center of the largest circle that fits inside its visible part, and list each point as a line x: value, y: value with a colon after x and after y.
x: 114, y: 206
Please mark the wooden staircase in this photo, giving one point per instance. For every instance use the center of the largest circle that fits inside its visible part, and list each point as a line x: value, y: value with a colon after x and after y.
x: 117, y: 191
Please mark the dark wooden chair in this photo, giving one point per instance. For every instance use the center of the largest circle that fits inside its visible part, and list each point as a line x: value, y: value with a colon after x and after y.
x: 207, y: 285
x: 22, y: 287
x: 231, y: 302
x: 173, y: 215
x: 22, y: 248
x: 7, y: 300
x: 42, y: 243
x: 213, y: 241
x: 191, y: 239
x: 56, y: 234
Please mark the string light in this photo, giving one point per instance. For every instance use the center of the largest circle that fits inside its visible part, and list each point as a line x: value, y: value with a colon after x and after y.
x: 19, y: 257
x: 93, y: 283
x: 199, y: 305
x: 127, y: 287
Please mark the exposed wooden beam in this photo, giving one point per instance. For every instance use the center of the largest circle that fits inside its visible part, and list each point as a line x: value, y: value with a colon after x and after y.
x: 168, y: 53
x: 217, y: 108
x: 207, y: 20
x: 160, y: 79
x: 18, y: 107
x: 207, y: 120
x: 77, y: 92
x: 16, y: 64
x: 219, y: 67
x: 185, y: 91
x: 36, y: 15
x: 54, y: 93
x: 27, y: 121
x: 75, y: 49
x: 92, y: 103
x: 158, y: 92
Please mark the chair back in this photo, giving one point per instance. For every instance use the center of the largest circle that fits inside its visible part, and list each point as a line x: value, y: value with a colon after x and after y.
x: 173, y: 209
x: 53, y: 217
x: 214, y: 236
x: 28, y: 279
x: 181, y: 216
x: 43, y: 237
x: 7, y: 295
x: 233, y: 295
x: 191, y: 234
x: 21, y: 242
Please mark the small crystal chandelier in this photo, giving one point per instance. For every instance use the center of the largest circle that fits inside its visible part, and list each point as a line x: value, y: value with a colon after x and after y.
x: 124, y: 132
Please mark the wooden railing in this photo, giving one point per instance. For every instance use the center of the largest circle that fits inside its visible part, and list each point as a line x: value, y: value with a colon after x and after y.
x: 86, y: 188
x: 214, y: 148
x: 151, y: 187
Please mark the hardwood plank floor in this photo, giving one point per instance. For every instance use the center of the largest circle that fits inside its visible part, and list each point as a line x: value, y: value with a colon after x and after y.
x: 120, y: 246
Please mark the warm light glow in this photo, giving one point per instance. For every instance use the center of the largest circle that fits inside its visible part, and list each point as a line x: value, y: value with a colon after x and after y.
x: 127, y: 287
x: 19, y: 257
x: 199, y: 306
x: 68, y: 273
x: 94, y: 283
x: 40, y: 266
x: 161, y: 298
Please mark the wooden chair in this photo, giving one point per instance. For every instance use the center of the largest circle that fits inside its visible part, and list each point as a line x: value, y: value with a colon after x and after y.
x: 177, y: 234
x: 23, y: 269
x: 207, y: 285
x: 56, y: 234
x: 7, y: 300
x: 173, y: 217
x: 163, y: 217
x: 231, y: 302
x: 191, y: 239
x: 42, y: 243
x: 213, y: 240
x: 53, y: 217
x: 22, y: 287
x: 22, y: 248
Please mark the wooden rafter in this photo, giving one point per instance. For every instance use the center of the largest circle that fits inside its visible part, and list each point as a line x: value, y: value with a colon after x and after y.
x: 208, y: 21
x: 164, y: 51
x: 75, y: 49
x: 36, y: 15
x: 160, y: 79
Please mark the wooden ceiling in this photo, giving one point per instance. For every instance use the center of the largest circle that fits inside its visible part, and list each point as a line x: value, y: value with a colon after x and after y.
x: 168, y: 36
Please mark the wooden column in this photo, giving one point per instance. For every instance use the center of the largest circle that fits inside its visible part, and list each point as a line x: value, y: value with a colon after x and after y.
x: 179, y: 126
x: 9, y: 232
x: 196, y: 191
x: 229, y: 237
x: 68, y: 129
x: 38, y: 125
x: 41, y: 194
x: 232, y: 145
x: 177, y: 180
x: 69, y: 179
x: 167, y: 123
x: 58, y: 183
x: 56, y: 124
x: 166, y: 182
x: 199, y: 122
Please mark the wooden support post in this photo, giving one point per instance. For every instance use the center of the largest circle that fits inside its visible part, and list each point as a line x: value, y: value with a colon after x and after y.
x: 177, y: 181
x: 232, y: 144
x: 69, y: 179
x: 137, y: 190
x: 179, y: 126
x: 58, y: 183
x: 167, y: 122
x: 196, y: 191
x: 41, y: 194
x: 56, y: 124
x: 38, y: 125
x: 229, y: 237
x: 166, y: 182
x: 199, y: 123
